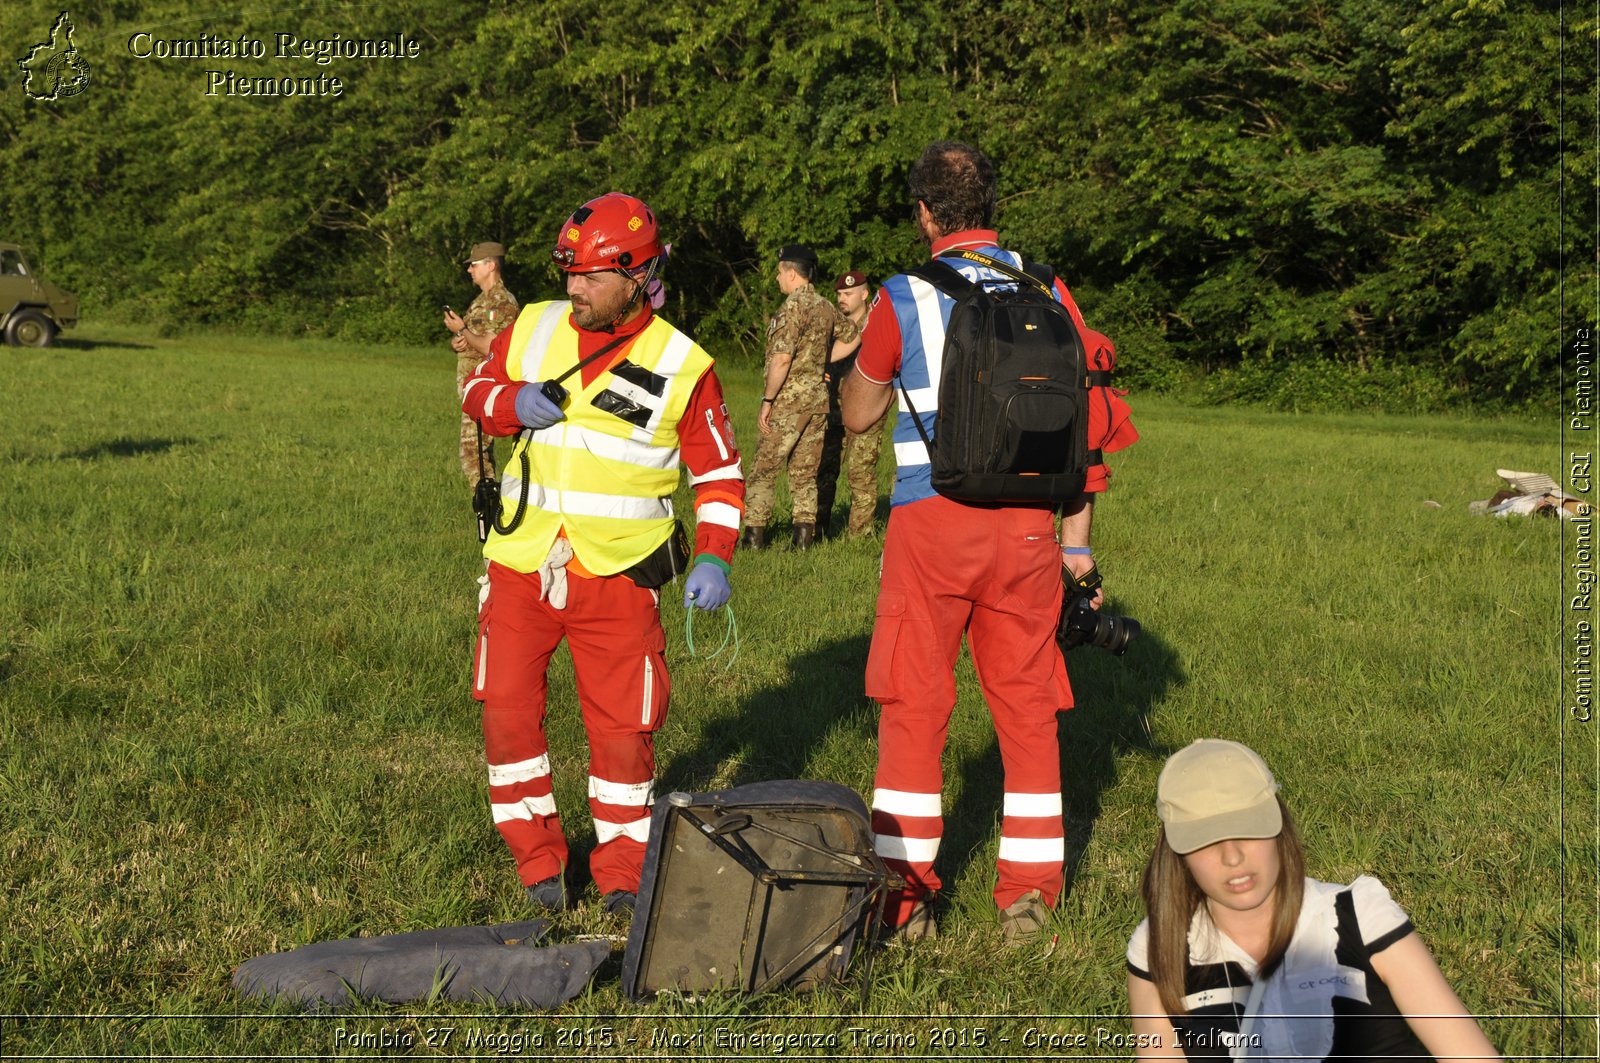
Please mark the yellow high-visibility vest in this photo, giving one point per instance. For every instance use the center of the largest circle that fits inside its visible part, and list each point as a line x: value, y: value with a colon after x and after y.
x: 604, y: 477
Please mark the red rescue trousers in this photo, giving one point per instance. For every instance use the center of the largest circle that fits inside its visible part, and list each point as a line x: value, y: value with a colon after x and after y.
x: 993, y: 574
x: 613, y: 630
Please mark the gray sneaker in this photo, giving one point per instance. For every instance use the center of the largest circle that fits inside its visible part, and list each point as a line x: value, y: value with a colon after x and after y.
x: 1025, y: 919
x: 920, y: 927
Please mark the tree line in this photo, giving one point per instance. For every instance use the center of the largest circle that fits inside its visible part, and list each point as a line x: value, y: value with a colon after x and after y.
x: 1239, y: 192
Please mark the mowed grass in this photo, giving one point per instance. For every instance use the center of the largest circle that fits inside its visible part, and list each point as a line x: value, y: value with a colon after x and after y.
x: 236, y: 617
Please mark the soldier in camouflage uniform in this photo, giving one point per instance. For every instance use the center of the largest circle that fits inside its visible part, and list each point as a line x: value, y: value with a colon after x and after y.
x: 859, y: 451
x: 493, y: 310
x: 794, y: 404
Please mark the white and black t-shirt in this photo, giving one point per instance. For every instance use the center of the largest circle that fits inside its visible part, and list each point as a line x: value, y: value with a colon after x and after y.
x: 1366, y: 1023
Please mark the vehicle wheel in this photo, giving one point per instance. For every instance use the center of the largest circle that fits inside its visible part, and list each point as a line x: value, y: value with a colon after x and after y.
x: 29, y: 328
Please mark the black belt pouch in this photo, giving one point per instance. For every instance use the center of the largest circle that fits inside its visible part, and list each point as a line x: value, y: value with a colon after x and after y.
x: 664, y: 562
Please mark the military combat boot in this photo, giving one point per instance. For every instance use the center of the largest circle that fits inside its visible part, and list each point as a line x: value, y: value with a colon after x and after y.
x: 754, y: 538
x: 804, y: 536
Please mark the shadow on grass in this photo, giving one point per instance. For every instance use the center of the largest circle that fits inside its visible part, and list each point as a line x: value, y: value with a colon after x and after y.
x: 776, y: 735
x: 101, y: 345
x: 781, y: 731
x: 124, y: 447
x: 1114, y: 697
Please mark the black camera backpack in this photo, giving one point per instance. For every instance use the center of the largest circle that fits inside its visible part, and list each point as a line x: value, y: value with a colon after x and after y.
x: 1013, y: 413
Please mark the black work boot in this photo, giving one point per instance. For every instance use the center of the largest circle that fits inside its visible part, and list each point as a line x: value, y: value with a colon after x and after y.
x: 619, y: 902
x: 754, y: 538
x: 804, y: 536
x: 550, y: 894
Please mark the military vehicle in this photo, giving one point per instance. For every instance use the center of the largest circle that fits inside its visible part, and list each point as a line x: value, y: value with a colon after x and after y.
x: 32, y: 310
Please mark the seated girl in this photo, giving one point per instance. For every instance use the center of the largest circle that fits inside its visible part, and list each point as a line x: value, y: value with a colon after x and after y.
x: 1242, y: 956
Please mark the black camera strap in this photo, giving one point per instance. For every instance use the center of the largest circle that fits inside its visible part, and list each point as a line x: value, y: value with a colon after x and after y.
x: 607, y: 349
x: 486, y: 501
x: 1076, y: 591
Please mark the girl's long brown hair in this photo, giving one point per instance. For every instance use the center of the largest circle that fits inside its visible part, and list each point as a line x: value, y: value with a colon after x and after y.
x: 1171, y: 896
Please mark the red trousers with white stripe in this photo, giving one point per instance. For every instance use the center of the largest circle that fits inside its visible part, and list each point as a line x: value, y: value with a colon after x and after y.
x: 993, y: 575
x: 613, y: 630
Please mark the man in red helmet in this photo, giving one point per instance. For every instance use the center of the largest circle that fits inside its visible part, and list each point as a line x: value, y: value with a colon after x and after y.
x: 605, y: 399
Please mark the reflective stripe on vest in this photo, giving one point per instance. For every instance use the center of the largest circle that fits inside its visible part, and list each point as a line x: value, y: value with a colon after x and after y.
x: 606, y: 474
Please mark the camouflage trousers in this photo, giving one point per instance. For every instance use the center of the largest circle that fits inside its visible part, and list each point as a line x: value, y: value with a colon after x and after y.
x: 795, y: 441
x: 859, y: 454
x: 466, y: 364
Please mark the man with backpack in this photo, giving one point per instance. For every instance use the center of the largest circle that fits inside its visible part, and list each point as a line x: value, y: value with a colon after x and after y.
x: 974, y: 550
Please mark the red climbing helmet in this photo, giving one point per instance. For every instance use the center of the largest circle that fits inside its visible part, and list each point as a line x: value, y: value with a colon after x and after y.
x: 615, y: 231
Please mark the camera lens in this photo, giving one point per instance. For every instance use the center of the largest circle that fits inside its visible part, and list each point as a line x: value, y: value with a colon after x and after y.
x: 1113, y: 633
x: 1110, y: 633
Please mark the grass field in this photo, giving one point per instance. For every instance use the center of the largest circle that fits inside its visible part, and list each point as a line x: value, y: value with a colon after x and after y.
x: 236, y: 614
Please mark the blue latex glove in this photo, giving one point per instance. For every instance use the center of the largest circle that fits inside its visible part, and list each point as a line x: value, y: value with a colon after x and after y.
x: 707, y: 587
x: 536, y: 411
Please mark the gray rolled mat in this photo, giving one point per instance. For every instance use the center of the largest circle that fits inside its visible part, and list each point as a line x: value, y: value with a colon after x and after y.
x: 484, y: 964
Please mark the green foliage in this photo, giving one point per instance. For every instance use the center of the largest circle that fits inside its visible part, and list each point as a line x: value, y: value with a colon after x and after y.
x: 1221, y: 183
x: 1352, y: 182
x: 1331, y: 387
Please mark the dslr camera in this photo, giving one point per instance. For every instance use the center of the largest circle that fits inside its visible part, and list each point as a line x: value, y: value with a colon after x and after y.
x: 1082, y: 623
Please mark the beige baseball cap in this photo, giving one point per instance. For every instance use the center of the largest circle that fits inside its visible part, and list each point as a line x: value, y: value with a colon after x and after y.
x: 486, y: 249
x: 1213, y: 790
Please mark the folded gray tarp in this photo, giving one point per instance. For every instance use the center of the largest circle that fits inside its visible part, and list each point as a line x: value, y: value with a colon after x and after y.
x: 485, y: 964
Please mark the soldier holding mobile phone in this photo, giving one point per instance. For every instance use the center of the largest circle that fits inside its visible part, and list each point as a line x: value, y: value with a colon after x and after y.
x: 493, y: 310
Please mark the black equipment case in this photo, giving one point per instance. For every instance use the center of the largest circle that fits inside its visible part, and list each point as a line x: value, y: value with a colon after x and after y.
x: 752, y: 888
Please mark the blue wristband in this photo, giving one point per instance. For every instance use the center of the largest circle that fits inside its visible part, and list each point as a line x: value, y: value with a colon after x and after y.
x: 1077, y: 551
